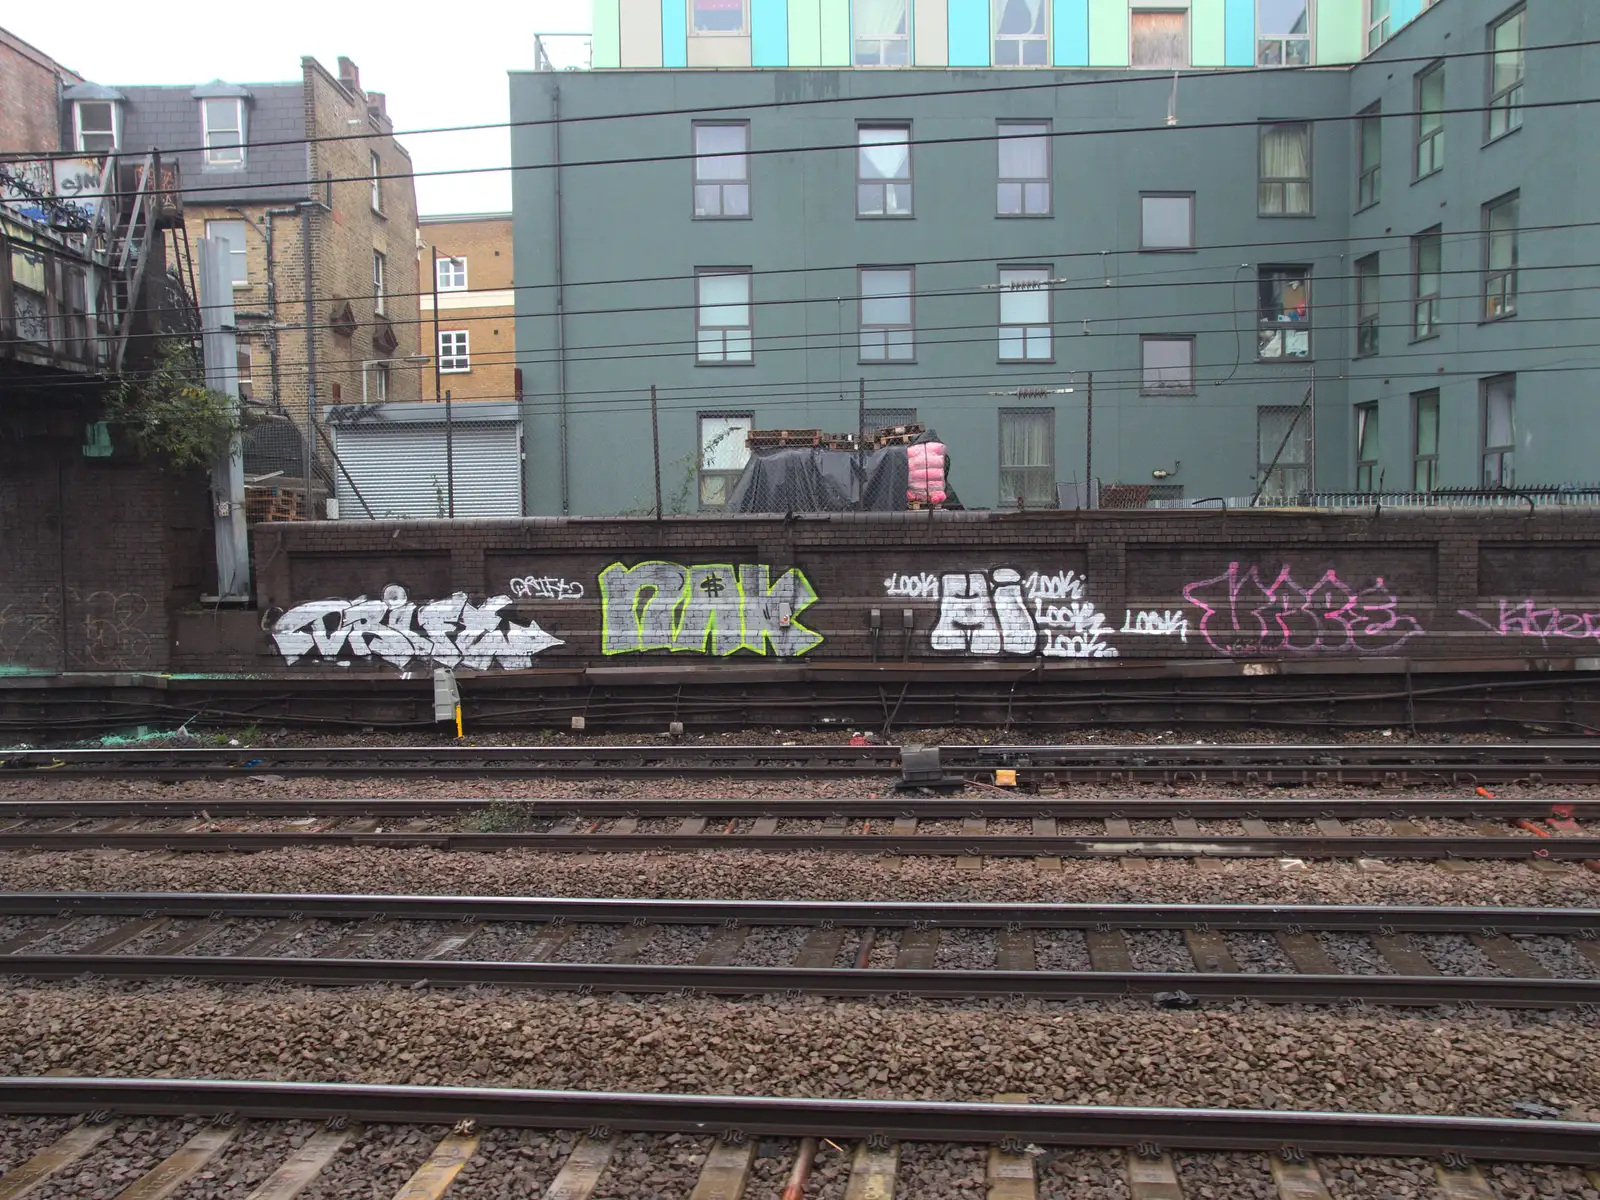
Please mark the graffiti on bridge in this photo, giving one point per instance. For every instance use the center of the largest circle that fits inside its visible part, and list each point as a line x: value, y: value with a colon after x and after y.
x: 1529, y: 620
x: 546, y: 587
x: 984, y: 614
x: 713, y: 608
x: 1244, y: 613
x: 450, y: 633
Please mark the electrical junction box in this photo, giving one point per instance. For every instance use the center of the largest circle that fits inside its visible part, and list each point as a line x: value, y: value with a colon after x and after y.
x: 446, y: 695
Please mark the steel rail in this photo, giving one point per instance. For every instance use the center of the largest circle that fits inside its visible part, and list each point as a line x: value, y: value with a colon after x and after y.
x: 772, y: 1116
x: 1571, y: 922
x: 1427, y: 846
x: 1406, y: 990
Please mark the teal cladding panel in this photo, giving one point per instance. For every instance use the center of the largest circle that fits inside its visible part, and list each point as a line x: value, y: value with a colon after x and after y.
x: 769, y: 32
x: 605, y: 46
x: 1069, y: 29
x: 675, y: 33
x: 969, y: 33
x: 805, y: 33
x: 1240, y: 33
x: 835, y: 33
x: 1206, y: 30
x: 1108, y: 33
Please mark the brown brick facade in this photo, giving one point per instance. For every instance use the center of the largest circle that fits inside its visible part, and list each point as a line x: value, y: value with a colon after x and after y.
x: 485, y: 312
x: 30, y: 97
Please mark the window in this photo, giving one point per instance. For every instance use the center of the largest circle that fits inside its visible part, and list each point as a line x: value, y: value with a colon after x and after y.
x: 883, y: 171
x: 222, y: 131
x: 1024, y: 180
x: 724, y: 450
x: 1500, y: 257
x: 1166, y: 221
x: 1284, y: 301
x: 454, y: 356
x: 1159, y: 38
x: 1377, y: 24
x: 1285, y: 189
x: 1020, y: 33
x: 1283, y: 451
x: 1283, y: 33
x: 1430, y: 121
x: 1369, y: 158
x: 1499, y: 430
x: 232, y: 232
x: 717, y: 16
x: 1427, y: 249
x: 1167, y: 366
x: 452, y: 275
x: 380, y: 383
x: 96, y: 122
x: 246, y: 371
x: 1368, y: 476
x: 1506, y: 69
x: 378, y: 264
x: 886, y: 325
x: 1367, y: 282
x: 1024, y: 314
x: 722, y: 170
x: 1425, y: 441
x: 722, y: 316
x: 1028, y: 456
x: 376, y: 168
x: 882, y: 31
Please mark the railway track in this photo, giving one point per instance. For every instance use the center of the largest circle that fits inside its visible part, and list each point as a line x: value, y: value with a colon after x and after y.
x: 1043, y: 765
x: 1174, y: 955
x: 727, y: 1135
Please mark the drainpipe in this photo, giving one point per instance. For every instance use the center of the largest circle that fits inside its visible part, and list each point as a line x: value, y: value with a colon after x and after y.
x: 561, y: 301
x: 311, y: 353
x: 266, y: 231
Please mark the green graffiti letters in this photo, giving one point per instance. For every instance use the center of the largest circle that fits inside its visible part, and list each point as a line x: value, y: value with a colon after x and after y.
x: 714, y: 608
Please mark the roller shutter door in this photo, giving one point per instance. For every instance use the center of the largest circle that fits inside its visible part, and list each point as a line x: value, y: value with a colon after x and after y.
x: 399, y: 468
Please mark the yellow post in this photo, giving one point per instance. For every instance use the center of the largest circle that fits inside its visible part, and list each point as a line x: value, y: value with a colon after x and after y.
x: 458, y: 720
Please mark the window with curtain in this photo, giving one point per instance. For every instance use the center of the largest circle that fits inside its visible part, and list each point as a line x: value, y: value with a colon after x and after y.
x: 882, y: 33
x: 1283, y: 33
x: 1028, y: 457
x: 1378, y: 24
x: 1166, y: 366
x: 1283, y: 448
x: 1020, y: 36
x: 1285, y: 312
x: 1425, y: 441
x: 1166, y: 221
x: 1427, y: 253
x: 1506, y: 68
x: 722, y: 170
x: 1369, y: 157
x: 1368, y: 471
x: 722, y: 317
x: 97, y: 125
x: 1023, y: 189
x: 883, y: 171
x: 1367, y: 281
x: 222, y: 127
x: 1285, y: 170
x: 718, y: 16
x: 233, y: 232
x: 1024, y: 314
x: 886, y: 326
x: 1500, y: 257
x: 1158, y: 38
x: 1499, y: 430
x: 1430, y: 121
x: 724, y: 451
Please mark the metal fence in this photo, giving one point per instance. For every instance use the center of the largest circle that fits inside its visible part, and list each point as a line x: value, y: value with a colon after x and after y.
x: 1569, y: 495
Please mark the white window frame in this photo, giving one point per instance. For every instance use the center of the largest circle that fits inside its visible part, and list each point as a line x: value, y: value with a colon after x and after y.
x: 222, y: 156
x: 380, y: 389
x: 451, y: 274
x: 78, y: 129
x: 236, y: 257
x: 877, y: 44
x: 1028, y: 340
x: 701, y: 329
x: 1020, y: 40
x: 457, y: 360
x: 742, y: 31
x: 380, y: 269
x: 377, y: 182
x: 1283, y: 39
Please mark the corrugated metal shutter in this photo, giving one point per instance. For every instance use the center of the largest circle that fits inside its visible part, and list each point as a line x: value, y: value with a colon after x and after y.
x: 400, y: 469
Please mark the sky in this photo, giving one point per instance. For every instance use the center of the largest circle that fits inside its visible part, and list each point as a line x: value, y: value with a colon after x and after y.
x: 430, y: 76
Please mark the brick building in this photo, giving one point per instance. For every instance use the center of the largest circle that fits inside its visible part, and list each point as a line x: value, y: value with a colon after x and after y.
x: 31, y: 83
x: 477, y: 303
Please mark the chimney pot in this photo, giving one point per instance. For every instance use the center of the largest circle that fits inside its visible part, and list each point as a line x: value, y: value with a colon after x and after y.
x: 349, y: 74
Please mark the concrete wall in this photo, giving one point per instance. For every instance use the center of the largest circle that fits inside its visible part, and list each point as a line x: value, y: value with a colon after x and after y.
x: 980, y: 587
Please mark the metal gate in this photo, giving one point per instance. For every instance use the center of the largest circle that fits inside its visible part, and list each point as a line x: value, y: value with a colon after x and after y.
x: 399, y: 469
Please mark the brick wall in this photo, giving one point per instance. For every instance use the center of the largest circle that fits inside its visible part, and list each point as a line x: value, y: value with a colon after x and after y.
x: 30, y: 103
x: 485, y: 242
x: 979, y: 587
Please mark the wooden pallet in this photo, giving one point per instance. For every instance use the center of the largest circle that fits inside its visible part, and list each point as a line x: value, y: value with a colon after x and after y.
x: 778, y: 439
x: 897, y: 435
x: 273, y: 504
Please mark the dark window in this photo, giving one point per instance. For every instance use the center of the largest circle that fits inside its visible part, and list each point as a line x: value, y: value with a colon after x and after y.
x: 1283, y: 448
x: 886, y: 321
x: 883, y: 171
x: 1028, y: 456
x: 1507, y: 66
x: 1500, y: 257
x: 1430, y: 121
x: 724, y: 450
x: 1367, y: 284
x: 722, y: 170
x: 1023, y: 189
x: 1166, y: 221
x: 1368, y: 476
x: 1285, y: 170
x: 1167, y: 366
x: 1427, y: 252
x: 1284, y: 303
x: 1425, y: 441
x: 1369, y: 171
x: 1499, y: 430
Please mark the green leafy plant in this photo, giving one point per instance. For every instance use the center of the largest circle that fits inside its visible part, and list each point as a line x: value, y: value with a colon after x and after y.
x: 170, y: 413
x: 498, y: 817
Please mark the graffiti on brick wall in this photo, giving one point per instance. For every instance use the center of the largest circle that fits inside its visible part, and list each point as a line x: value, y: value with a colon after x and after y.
x: 1527, y: 619
x: 1248, y: 610
x: 30, y: 634
x: 1151, y: 623
x: 983, y: 614
x: 107, y: 629
x: 452, y: 632
x: 713, y: 608
x: 546, y: 587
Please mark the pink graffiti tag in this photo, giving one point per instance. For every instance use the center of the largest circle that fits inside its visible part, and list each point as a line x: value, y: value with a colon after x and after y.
x: 1244, y: 615
x: 1526, y: 619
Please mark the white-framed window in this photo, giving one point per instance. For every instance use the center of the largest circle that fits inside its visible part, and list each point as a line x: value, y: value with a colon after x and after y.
x: 1166, y: 366
x: 452, y: 274
x: 724, y: 451
x: 380, y: 383
x: 1028, y: 457
x: 1025, y: 314
x: 1378, y: 24
x: 882, y: 33
x: 887, y: 327
x: 245, y: 359
x: 377, y: 181
x: 222, y: 131
x: 454, y: 355
x: 234, y: 233
x: 722, y: 169
x: 379, y: 264
x: 1283, y: 33
x: 1158, y: 37
x: 1507, y: 66
x: 96, y: 126
x: 1023, y: 189
x: 1285, y: 312
x: 714, y: 17
x: 883, y: 171
x: 1021, y: 33
x: 1285, y: 170
x: 722, y: 315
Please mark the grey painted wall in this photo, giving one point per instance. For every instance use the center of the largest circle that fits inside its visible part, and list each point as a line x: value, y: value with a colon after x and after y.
x: 631, y: 222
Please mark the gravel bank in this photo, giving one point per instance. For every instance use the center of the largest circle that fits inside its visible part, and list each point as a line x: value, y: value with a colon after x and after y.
x: 256, y: 1151
x: 22, y: 1137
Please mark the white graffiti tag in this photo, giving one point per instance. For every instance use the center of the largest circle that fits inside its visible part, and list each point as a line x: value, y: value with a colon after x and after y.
x: 451, y: 632
x: 913, y: 587
x: 1156, y: 624
x: 984, y: 614
x: 546, y: 587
